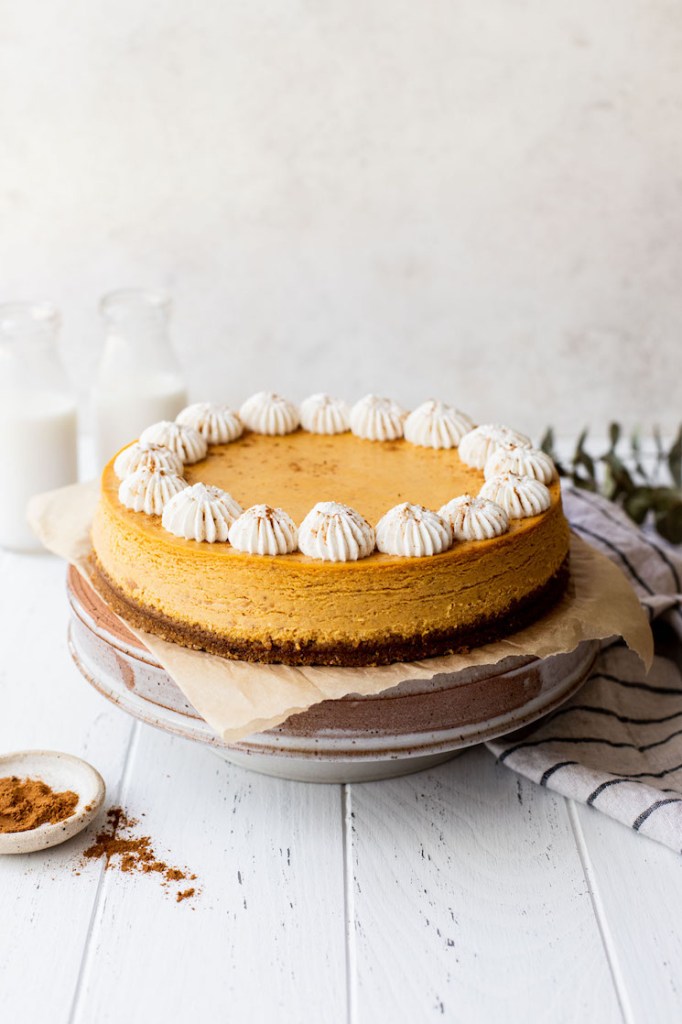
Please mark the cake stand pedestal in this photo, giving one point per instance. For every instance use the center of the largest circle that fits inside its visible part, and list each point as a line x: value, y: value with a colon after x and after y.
x: 413, y: 726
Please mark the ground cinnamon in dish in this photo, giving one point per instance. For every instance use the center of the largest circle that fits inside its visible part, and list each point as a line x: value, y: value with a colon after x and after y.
x: 27, y: 803
x: 131, y: 853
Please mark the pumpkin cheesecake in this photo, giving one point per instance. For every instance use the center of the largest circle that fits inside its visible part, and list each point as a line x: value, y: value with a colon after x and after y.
x: 329, y: 536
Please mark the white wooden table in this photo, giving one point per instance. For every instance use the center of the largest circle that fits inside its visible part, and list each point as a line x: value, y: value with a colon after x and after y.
x: 458, y: 894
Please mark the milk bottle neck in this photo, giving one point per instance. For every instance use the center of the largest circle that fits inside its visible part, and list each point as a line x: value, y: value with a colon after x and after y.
x: 136, y: 335
x: 29, y: 360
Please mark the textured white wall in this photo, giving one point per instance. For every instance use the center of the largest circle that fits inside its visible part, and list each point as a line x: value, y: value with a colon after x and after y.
x: 480, y: 201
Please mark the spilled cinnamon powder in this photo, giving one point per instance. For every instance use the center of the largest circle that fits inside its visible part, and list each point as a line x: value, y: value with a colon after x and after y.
x: 132, y: 853
x: 27, y: 803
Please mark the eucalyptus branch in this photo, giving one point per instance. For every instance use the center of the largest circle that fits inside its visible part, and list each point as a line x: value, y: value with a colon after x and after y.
x: 624, y: 478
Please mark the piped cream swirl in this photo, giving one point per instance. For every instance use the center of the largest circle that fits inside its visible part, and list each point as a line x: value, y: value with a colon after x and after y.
x: 322, y: 414
x: 437, y: 425
x: 269, y: 413
x: 377, y: 419
x: 184, y: 441
x: 522, y: 461
x: 216, y: 423
x: 475, y: 518
x: 413, y: 531
x: 519, y: 496
x: 149, y: 491
x: 476, y: 446
x: 263, y: 530
x: 335, y: 533
x: 201, y: 513
x: 146, y: 456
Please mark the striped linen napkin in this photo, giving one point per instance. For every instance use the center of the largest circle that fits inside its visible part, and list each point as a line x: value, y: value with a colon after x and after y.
x: 617, y: 744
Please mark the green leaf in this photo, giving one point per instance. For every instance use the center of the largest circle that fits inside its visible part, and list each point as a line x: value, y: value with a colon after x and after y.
x: 584, y: 461
x: 622, y: 481
x: 547, y: 443
x: 614, y: 435
x: 631, y: 487
x: 636, y: 449
x: 660, y: 451
x: 581, y: 440
x: 664, y: 498
x: 675, y: 459
x: 584, y: 483
x: 582, y: 458
x: 638, y: 503
x: 669, y: 524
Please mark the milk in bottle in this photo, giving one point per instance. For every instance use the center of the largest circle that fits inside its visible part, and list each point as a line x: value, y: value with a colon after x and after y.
x: 139, y: 380
x: 38, y: 423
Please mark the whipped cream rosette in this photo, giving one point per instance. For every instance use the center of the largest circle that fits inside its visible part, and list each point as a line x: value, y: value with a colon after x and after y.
x: 335, y: 533
x: 146, y: 456
x: 216, y: 423
x: 413, y: 531
x: 264, y: 530
x: 201, y: 513
x: 377, y: 419
x: 475, y: 518
x: 268, y: 413
x: 520, y: 460
x: 519, y: 496
x: 184, y: 441
x: 476, y: 447
x: 149, y: 490
x: 437, y: 425
x: 322, y: 414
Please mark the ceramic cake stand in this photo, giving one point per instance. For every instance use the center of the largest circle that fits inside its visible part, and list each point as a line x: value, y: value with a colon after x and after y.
x: 411, y: 727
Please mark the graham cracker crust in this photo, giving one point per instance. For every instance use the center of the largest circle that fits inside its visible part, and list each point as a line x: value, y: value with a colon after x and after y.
x: 392, y: 648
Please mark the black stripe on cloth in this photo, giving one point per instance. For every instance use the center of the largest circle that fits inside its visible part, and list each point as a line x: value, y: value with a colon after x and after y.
x: 613, y: 547
x: 660, y: 743
x: 615, y: 782
x: 605, y: 785
x: 586, y: 497
x: 555, y: 768
x: 638, y: 822
x: 615, y: 744
x: 637, y: 685
x: 611, y: 714
x: 651, y: 775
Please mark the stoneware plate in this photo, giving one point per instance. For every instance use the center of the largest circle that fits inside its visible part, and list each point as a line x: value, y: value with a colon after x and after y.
x: 410, y: 727
x: 60, y: 772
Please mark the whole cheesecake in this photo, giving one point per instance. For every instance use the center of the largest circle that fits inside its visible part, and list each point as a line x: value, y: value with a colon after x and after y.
x: 254, y: 537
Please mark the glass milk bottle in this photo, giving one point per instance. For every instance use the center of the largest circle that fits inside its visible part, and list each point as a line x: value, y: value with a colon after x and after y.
x: 38, y: 422
x: 139, y: 380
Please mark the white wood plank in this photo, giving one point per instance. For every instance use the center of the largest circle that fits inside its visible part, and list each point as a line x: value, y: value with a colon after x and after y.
x: 467, y: 894
x: 637, y: 886
x: 469, y: 902
x: 266, y: 938
x: 45, y: 908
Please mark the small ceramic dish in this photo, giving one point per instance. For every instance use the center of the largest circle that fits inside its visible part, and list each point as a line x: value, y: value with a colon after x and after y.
x: 61, y: 772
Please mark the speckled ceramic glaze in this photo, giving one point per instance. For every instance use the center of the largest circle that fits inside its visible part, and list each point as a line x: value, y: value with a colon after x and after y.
x: 407, y: 728
x: 61, y: 772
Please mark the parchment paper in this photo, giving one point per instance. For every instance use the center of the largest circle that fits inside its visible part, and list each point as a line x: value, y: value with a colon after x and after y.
x: 237, y: 698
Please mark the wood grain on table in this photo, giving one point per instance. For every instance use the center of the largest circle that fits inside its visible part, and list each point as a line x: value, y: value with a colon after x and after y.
x: 461, y: 894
